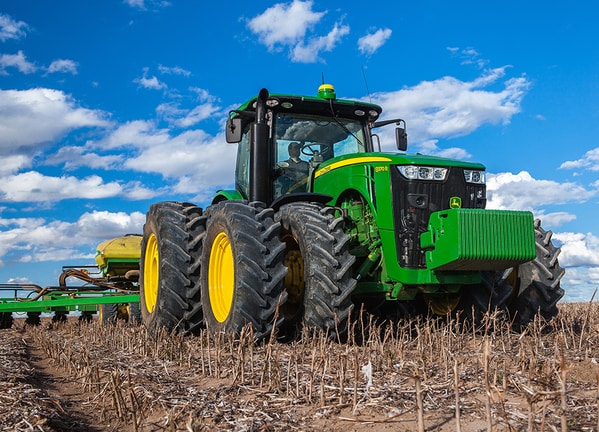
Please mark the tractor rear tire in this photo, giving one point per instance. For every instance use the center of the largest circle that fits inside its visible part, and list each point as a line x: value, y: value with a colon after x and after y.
x: 537, y: 288
x: 242, y: 269
x: 169, y: 267
x: 320, y: 280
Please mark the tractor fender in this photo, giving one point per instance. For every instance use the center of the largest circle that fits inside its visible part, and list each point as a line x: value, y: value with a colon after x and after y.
x: 300, y: 197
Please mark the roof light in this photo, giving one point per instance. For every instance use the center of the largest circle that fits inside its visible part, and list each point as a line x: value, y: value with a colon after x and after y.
x: 327, y: 91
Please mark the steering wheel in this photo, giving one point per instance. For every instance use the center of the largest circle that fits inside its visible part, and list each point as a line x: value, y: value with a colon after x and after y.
x: 310, y: 149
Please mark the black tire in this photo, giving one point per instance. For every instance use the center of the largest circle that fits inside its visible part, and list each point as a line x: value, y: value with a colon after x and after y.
x: 487, y: 298
x: 33, y: 318
x: 108, y: 313
x: 85, y: 317
x: 134, y: 314
x: 537, y: 288
x: 6, y: 320
x: 317, y: 246
x: 169, y: 268
x: 60, y: 317
x: 242, y: 269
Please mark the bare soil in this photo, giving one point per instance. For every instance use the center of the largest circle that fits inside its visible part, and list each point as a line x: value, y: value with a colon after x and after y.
x: 408, y: 377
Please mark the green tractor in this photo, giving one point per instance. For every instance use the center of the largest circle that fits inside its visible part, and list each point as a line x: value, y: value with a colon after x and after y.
x: 321, y: 222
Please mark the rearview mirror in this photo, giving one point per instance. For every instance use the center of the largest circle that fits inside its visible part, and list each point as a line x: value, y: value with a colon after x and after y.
x: 233, y: 130
x: 401, y: 139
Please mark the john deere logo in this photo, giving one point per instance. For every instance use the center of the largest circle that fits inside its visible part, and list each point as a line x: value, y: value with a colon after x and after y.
x: 455, y: 202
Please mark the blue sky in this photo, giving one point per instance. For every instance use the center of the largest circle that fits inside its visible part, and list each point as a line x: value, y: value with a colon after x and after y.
x: 109, y: 106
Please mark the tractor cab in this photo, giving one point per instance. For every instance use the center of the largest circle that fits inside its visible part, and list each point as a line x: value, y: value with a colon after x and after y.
x: 297, y: 134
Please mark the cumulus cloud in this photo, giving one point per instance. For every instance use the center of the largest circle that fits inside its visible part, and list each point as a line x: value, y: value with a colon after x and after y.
x: 37, y: 239
x: 12, y: 29
x: 589, y: 161
x: 38, y: 116
x: 204, y: 158
x: 150, y: 82
x: 448, y: 107
x: 309, y: 52
x: 17, y: 61
x: 371, y: 42
x: 523, y: 192
x: 286, y: 25
x: 578, y: 249
x: 33, y: 186
x: 63, y: 66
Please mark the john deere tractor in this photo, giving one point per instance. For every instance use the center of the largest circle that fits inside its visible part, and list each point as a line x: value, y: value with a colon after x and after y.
x: 308, y: 236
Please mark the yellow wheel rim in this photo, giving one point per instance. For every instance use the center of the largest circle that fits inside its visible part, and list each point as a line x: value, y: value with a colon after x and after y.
x: 221, y: 279
x: 151, y: 273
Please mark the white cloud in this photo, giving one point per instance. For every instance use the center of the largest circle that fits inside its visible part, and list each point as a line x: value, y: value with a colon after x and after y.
x: 37, y: 116
x: 309, y: 53
x: 63, y: 66
x: 448, y: 107
x: 36, y: 239
x: 284, y: 23
x: 18, y: 61
x: 72, y: 157
x: 174, y: 115
x: 135, y: 3
x: 176, y: 70
x: 12, y: 29
x: 204, y: 158
x: 578, y: 249
x: 469, y: 56
x: 523, y: 192
x: 590, y: 161
x: 35, y: 187
x: 371, y: 42
x: 151, y: 83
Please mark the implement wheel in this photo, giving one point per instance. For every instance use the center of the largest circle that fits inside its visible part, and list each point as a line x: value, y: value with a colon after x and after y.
x: 6, y: 320
x: 169, y: 267
x: 320, y: 281
x: 242, y: 268
x: 108, y: 313
x: 537, y: 282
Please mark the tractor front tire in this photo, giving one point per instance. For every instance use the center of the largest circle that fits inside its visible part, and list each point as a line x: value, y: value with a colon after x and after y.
x: 320, y: 280
x: 169, y: 268
x: 242, y: 269
x: 537, y: 286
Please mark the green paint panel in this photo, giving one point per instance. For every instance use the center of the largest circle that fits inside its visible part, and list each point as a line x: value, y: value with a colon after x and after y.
x: 473, y: 239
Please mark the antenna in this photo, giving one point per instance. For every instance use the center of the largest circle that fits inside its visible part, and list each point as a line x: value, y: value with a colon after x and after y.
x: 322, y: 77
x: 366, y: 83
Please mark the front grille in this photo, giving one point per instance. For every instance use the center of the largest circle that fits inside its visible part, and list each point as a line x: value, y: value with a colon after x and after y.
x: 415, y: 200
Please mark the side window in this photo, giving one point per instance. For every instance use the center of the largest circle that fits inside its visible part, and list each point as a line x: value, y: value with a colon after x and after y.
x: 242, y: 170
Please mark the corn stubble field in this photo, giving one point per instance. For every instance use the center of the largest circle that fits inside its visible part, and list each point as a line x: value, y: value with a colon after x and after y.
x: 417, y: 375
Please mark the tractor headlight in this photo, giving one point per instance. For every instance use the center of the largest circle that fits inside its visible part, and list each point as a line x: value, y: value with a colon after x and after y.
x: 414, y: 172
x: 474, y: 176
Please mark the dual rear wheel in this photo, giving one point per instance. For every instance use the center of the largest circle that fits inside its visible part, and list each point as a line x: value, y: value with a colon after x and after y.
x: 231, y: 269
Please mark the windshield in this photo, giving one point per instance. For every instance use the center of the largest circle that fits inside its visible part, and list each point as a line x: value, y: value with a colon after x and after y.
x: 330, y: 137
x: 305, y: 141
